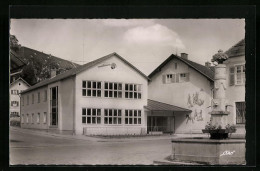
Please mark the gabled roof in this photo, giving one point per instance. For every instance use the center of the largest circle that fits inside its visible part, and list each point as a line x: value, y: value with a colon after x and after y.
x: 21, y: 80
x: 205, y: 71
x: 79, y: 69
x: 159, y: 106
x: 237, y: 50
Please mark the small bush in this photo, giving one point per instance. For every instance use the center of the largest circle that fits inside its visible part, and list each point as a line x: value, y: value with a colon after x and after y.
x: 15, y: 123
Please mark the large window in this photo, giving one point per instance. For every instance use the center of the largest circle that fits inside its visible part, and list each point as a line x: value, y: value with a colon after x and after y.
x: 240, y: 112
x: 112, y: 116
x: 133, y: 91
x: 91, y: 116
x: 113, y: 90
x: 45, y: 95
x: 39, y: 97
x: 91, y: 88
x: 27, y: 99
x: 237, y: 75
x: 32, y: 98
x: 132, y: 117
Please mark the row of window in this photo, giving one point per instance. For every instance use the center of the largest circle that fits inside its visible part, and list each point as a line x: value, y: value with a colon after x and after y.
x: 15, y: 103
x: 32, y: 98
x: 33, y: 118
x: 237, y: 75
x: 16, y: 91
x: 175, y: 78
x: 111, y: 89
x: 111, y: 116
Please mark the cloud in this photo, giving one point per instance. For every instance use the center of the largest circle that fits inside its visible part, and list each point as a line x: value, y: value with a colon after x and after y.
x: 156, y: 34
x: 127, y: 22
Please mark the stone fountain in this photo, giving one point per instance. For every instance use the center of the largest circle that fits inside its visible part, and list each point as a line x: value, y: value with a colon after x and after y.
x: 219, y: 149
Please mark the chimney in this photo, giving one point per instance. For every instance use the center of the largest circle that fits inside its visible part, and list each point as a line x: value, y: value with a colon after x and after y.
x: 184, y: 55
x: 207, y: 64
x: 53, y: 73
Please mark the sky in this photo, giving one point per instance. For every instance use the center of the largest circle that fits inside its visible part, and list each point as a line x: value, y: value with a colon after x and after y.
x: 145, y: 43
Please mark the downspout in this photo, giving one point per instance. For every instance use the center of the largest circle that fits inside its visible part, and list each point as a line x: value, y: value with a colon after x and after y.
x: 74, y: 108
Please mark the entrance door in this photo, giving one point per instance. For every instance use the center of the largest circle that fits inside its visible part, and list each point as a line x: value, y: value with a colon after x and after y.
x: 163, y: 124
x: 54, y: 106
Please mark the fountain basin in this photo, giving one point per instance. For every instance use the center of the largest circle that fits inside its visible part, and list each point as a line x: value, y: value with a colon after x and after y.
x: 210, y: 151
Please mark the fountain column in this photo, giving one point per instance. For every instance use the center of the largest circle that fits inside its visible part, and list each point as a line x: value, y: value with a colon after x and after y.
x: 219, y: 103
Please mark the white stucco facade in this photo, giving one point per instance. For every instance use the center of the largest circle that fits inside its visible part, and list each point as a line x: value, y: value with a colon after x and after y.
x: 17, y: 87
x: 195, y: 94
x: 236, y: 92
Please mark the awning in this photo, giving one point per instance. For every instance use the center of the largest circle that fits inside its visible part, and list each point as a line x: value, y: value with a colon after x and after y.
x: 153, y: 105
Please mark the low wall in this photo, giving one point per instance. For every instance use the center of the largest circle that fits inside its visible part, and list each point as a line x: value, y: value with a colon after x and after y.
x: 220, y: 152
x: 114, y: 130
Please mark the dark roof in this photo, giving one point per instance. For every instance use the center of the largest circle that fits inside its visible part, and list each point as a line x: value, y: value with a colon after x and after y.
x: 205, y: 71
x: 27, y: 53
x: 18, y: 80
x: 79, y: 69
x: 237, y: 50
x: 159, y: 106
x: 15, y: 62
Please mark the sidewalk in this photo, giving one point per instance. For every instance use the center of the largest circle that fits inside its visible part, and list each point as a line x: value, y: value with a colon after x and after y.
x: 103, y: 139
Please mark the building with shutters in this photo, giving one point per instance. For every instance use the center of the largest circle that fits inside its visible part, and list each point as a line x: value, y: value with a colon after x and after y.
x: 16, y: 87
x: 103, y: 97
x: 186, y: 85
x: 236, y: 84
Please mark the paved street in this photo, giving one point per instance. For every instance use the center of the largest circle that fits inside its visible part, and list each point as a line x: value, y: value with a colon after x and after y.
x: 33, y: 148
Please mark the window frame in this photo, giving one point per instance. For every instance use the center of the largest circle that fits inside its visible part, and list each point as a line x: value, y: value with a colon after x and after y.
x: 235, y: 74
x: 91, y: 116
x: 133, y: 117
x: 108, y: 90
x: 113, y: 117
x: 32, y: 98
x: 243, y: 117
x: 44, y: 117
x: 91, y: 89
x: 133, y: 91
x: 39, y: 97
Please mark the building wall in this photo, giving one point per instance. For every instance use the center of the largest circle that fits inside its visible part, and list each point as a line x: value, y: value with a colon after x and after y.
x: 122, y: 74
x: 196, y: 95
x: 235, y: 93
x: 20, y: 86
x: 35, y: 108
x: 66, y: 103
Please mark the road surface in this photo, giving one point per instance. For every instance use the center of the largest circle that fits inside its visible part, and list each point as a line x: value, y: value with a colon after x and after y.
x: 30, y: 148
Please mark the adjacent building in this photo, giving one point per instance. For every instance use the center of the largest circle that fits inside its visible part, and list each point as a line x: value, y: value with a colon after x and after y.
x: 186, y: 85
x: 16, y: 88
x: 236, y: 85
x: 105, y: 96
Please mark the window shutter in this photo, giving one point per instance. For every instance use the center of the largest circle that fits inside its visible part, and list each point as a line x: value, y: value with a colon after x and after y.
x: 173, y: 78
x: 187, y: 77
x: 231, y: 76
x: 177, y: 78
x: 164, y: 79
